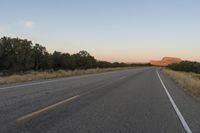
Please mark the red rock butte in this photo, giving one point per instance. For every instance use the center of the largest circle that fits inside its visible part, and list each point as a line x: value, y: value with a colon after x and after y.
x: 165, y: 61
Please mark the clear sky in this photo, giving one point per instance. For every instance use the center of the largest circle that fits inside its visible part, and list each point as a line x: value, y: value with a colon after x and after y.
x: 112, y: 30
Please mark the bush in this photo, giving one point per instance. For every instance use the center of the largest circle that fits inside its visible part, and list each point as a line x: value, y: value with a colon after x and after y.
x: 186, y: 66
x: 21, y: 55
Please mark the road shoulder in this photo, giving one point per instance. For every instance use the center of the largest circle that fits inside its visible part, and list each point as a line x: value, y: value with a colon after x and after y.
x: 188, y: 106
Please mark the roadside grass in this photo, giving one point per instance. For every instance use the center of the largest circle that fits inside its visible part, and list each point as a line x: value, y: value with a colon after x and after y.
x: 189, y: 81
x: 30, y: 76
x: 196, y: 75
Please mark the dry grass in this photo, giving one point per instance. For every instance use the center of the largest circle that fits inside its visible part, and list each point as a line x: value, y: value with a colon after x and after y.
x: 196, y: 75
x: 49, y: 75
x: 189, y: 81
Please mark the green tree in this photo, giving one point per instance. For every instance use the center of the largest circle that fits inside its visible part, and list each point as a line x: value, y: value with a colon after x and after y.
x: 41, y: 57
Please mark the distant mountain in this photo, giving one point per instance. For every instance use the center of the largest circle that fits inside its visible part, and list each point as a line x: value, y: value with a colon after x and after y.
x: 165, y: 61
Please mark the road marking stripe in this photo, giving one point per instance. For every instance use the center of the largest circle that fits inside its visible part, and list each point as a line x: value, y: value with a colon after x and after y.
x: 48, y: 81
x: 46, y: 108
x: 28, y: 84
x: 122, y: 77
x: 57, y: 79
x: 181, y: 118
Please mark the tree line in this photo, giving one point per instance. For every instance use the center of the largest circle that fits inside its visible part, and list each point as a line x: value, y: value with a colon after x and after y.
x: 186, y: 66
x: 21, y: 55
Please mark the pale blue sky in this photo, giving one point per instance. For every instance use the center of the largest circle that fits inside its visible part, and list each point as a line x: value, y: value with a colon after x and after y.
x: 113, y: 30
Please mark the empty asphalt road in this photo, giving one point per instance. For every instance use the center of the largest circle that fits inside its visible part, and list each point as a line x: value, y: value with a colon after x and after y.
x: 139, y: 100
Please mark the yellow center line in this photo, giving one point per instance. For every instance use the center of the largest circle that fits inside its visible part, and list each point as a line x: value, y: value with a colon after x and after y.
x: 46, y: 108
x: 122, y: 77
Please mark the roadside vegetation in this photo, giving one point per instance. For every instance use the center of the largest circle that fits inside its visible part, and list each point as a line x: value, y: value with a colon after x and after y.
x: 21, y: 60
x: 187, y: 75
x: 34, y: 75
x: 186, y: 66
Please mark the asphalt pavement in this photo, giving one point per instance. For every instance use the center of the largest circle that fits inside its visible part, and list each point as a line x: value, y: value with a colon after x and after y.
x: 138, y: 100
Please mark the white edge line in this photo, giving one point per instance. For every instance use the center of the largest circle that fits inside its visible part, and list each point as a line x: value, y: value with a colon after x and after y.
x: 54, y: 80
x: 48, y: 81
x: 181, y: 118
x: 28, y: 84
